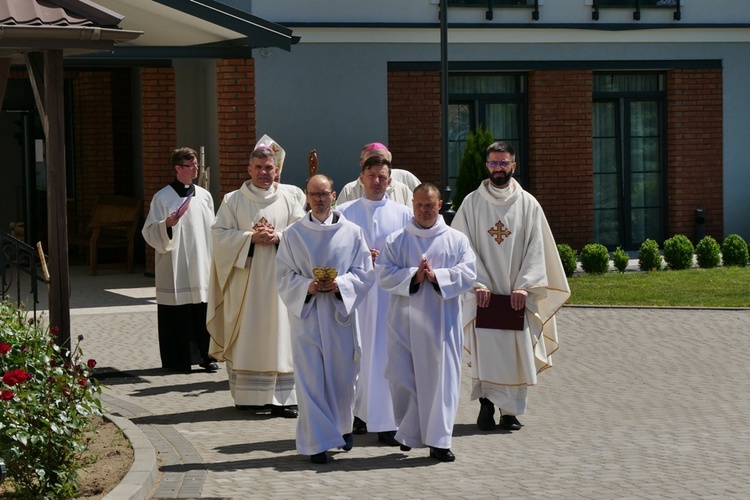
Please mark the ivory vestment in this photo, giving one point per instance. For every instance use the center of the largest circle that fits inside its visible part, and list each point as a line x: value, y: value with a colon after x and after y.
x: 324, y: 327
x: 378, y: 219
x: 398, y: 192
x: 515, y: 250
x: 425, y: 335
x: 248, y: 323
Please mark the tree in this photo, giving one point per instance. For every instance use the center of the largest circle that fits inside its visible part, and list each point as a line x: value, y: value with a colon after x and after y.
x: 472, y: 170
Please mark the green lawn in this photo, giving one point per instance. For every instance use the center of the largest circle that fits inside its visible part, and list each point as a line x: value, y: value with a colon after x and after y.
x: 719, y: 287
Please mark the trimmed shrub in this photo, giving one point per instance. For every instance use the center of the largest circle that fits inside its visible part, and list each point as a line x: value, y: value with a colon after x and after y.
x: 569, y: 258
x: 734, y: 251
x: 708, y: 252
x: 595, y: 258
x: 649, y: 258
x: 678, y: 252
x: 472, y: 169
x: 620, y: 259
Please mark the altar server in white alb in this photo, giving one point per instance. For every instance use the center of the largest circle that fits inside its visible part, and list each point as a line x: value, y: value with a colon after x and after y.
x: 178, y: 227
x: 399, y: 189
x: 248, y: 323
x: 323, y: 271
x: 426, y: 267
x: 516, y: 256
x: 378, y: 216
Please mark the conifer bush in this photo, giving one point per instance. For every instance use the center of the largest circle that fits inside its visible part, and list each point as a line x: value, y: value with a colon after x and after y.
x: 708, y: 252
x: 734, y: 251
x: 678, y: 252
x: 472, y: 169
x: 595, y: 258
x: 620, y: 259
x: 649, y: 258
x: 569, y: 258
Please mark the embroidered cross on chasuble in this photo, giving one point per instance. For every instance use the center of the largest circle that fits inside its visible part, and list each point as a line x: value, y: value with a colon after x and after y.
x: 499, y: 232
x: 263, y: 222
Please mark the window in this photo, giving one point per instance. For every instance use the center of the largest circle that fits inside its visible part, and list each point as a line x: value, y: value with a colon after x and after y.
x: 643, y: 4
x: 495, y: 3
x: 628, y: 150
x: 495, y: 101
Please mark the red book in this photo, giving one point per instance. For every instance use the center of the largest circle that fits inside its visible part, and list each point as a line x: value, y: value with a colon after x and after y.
x: 499, y: 315
x: 183, y: 207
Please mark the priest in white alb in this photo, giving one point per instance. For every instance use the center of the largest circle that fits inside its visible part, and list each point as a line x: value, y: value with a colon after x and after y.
x: 425, y: 267
x: 378, y: 216
x: 399, y: 190
x: 516, y: 257
x: 178, y: 228
x: 248, y: 323
x: 323, y: 271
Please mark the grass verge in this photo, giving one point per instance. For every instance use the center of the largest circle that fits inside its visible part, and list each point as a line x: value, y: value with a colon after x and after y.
x: 719, y: 287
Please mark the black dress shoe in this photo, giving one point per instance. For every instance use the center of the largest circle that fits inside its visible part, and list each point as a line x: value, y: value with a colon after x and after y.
x: 319, y: 458
x: 509, y: 422
x: 348, y: 442
x: 442, y: 454
x: 388, y: 438
x: 405, y: 448
x: 209, y: 366
x: 284, y: 411
x: 359, y: 427
x: 486, y: 419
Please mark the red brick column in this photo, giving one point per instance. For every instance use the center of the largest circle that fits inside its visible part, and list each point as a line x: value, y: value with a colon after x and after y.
x: 235, y: 89
x: 560, y: 152
x: 159, y: 136
x: 414, y: 123
x: 94, y: 139
x: 695, y: 160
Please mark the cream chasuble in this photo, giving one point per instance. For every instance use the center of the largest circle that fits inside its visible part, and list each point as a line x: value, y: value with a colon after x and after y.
x: 248, y: 323
x: 515, y: 250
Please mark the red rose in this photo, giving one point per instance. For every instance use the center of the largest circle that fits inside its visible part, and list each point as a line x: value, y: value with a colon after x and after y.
x: 4, y: 348
x: 82, y: 381
x: 14, y: 377
x: 91, y: 363
x: 6, y: 395
x: 54, y: 331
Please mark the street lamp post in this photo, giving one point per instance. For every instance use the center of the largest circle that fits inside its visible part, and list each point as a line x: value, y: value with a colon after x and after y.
x: 447, y: 210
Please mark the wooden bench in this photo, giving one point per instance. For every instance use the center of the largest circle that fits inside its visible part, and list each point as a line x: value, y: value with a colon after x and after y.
x: 113, y: 224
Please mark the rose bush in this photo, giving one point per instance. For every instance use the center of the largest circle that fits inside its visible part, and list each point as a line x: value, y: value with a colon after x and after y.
x: 47, y: 399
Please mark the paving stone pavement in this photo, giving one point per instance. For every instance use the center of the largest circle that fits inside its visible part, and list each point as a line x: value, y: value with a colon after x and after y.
x: 641, y: 403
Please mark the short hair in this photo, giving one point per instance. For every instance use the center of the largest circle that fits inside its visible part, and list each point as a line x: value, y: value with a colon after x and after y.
x: 427, y: 187
x: 501, y: 147
x: 330, y: 181
x: 376, y: 160
x: 181, y: 154
x: 263, y: 152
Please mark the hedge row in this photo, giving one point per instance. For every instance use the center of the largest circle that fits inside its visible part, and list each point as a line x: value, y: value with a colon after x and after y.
x: 678, y: 254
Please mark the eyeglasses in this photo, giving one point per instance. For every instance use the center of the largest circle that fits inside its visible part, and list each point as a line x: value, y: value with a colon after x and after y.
x: 495, y: 164
x: 321, y: 195
x: 190, y: 165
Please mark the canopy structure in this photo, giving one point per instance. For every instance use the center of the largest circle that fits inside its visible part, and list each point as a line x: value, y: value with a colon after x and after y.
x: 39, y: 33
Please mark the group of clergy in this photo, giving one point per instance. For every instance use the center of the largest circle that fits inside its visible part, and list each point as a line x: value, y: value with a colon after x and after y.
x: 352, y: 316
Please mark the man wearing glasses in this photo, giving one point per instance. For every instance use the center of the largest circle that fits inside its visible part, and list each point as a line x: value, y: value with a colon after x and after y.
x: 178, y: 227
x: 517, y: 262
x: 323, y: 271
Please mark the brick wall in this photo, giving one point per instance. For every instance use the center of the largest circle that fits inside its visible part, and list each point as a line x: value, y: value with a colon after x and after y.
x: 560, y: 152
x: 414, y: 122
x: 93, y: 141
x: 695, y: 163
x: 235, y: 89
x: 159, y: 135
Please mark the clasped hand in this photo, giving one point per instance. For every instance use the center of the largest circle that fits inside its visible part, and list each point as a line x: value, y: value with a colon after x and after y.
x: 265, y: 235
x: 425, y: 272
x: 320, y: 286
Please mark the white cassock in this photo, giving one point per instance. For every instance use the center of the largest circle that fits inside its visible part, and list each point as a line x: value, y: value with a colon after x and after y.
x: 182, y: 262
x: 425, y: 335
x: 398, y: 192
x: 249, y: 325
x: 515, y: 250
x: 373, y: 404
x: 405, y: 177
x: 324, y: 327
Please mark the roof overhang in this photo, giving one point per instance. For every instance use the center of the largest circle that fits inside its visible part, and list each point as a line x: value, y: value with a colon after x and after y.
x: 193, y: 28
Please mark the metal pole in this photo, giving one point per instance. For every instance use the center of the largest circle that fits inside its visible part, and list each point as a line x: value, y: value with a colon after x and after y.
x: 446, y: 210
